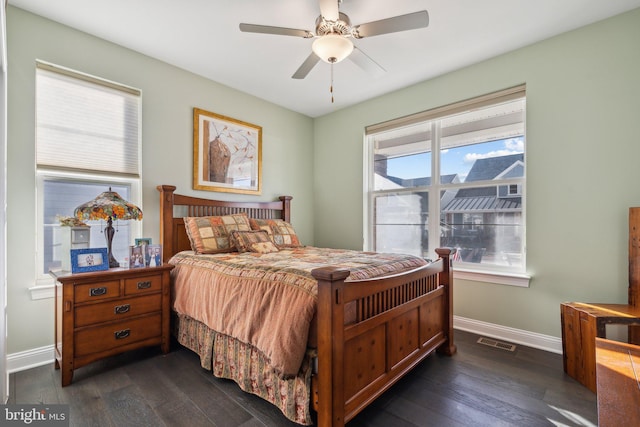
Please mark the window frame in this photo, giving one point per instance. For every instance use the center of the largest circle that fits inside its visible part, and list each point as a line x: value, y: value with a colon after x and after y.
x: 44, y: 283
x: 463, y: 270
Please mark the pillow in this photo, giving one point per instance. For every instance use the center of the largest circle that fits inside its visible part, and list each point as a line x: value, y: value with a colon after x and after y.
x: 253, y: 241
x: 281, y: 232
x: 210, y: 234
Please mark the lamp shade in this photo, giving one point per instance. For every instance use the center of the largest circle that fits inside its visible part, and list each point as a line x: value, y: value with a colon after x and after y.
x: 108, y: 205
x: 332, y: 48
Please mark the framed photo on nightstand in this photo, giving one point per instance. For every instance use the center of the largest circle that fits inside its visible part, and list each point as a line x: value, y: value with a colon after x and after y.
x: 143, y: 241
x: 153, y: 257
x: 89, y: 259
x: 136, y: 256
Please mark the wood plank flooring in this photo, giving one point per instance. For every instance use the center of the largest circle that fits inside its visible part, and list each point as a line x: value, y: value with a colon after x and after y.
x: 479, y: 386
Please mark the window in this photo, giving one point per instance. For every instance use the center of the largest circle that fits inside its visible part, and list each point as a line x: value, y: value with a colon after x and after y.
x: 477, y: 149
x: 87, y: 140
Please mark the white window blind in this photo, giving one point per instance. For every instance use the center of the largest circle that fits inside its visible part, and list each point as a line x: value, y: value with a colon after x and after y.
x: 86, y: 124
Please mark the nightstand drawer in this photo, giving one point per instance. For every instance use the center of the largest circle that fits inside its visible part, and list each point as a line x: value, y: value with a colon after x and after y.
x: 107, y: 337
x: 143, y: 284
x: 96, y: 291
x: 116, y: 310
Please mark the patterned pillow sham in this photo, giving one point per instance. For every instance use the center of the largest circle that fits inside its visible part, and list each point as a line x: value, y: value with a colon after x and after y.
x: 253, y: 241
x: 210, y: 234
x: 281, y: 232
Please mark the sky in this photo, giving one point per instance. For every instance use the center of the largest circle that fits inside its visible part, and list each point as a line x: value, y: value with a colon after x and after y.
x: 458, y: 160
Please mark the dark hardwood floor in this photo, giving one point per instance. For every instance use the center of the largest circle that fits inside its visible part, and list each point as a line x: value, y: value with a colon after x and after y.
x: 479, y: 386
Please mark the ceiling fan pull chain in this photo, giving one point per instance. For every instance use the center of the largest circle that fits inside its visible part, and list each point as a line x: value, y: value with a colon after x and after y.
x: 331, y: 87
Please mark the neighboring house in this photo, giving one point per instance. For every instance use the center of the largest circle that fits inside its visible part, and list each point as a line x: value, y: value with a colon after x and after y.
x: 487, y: 219
x: 478, y: 221
x: 406, y: 210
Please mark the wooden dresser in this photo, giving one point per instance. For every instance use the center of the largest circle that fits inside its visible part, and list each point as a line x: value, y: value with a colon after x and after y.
x: 104, y: 313
x: 618, y: 368
x: 583, y: 322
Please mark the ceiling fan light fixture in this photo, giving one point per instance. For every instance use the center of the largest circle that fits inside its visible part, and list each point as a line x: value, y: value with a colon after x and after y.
x: 332, y: 48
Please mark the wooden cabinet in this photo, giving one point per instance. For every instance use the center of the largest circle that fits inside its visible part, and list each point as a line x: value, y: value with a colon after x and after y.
x: 581, y: 324
x: 617, y: 366
x: 104, y: 313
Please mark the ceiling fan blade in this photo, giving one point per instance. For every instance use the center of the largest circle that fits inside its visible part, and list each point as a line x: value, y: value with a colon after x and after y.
x: 410, y: 21
x: 329, y: 9
x: 365, y: 62
x: 280, y: 31
x: 306, y: 66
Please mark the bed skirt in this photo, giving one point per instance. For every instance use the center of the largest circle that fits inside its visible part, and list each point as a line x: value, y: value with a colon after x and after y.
x: 229, y: 358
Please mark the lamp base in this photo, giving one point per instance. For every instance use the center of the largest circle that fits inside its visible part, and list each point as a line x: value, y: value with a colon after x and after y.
x: 112, y: 261
x: 108, y: 234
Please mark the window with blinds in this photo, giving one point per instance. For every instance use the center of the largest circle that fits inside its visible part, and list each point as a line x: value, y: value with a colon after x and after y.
x: 476, y: 149
x: 88, y: 139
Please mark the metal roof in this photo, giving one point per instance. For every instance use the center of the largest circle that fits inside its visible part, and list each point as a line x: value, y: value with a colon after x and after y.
x: 484, y: 204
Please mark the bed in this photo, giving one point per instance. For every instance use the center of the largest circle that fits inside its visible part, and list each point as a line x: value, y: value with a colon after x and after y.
x: 364, y: 335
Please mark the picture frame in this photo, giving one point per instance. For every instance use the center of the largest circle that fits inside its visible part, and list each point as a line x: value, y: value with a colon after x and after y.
x: 85, y: 260
x: 136, y: 256
x: 153, y: 255
x: 143, y: 241
x: 227, y: 154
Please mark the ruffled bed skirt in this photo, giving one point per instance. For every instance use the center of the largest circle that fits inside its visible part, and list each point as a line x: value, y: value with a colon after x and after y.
x: 229, y: 358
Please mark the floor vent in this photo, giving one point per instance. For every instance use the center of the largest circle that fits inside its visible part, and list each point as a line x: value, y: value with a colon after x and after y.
x: 496, y: 344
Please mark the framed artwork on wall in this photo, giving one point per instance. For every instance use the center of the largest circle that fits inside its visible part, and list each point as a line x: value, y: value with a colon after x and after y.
x: 227, y: 154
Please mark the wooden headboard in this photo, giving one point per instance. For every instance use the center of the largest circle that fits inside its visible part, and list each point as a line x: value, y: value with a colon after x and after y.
x: 174, y: 207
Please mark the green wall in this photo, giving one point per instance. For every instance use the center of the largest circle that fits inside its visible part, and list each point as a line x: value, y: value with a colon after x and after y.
x: 583, y: 148
x: 583, y: 103
x: 169, y: 95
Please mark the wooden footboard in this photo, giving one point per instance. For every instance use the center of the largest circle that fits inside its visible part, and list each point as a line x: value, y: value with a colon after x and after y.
x: 372, y: 332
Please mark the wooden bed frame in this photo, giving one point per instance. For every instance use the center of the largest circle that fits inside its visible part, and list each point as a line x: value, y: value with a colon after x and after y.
x: 370, y: 332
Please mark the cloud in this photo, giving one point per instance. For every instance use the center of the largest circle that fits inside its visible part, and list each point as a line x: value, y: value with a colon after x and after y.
x: 511, y: 146
x: 514, y: 144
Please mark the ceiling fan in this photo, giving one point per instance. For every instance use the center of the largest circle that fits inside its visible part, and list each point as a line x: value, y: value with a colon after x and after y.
x: 334, y: 32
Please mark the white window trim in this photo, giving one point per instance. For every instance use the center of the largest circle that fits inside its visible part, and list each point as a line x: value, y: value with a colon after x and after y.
x: 44, y: 286
x: 460, y: 271
x: 507, y: 278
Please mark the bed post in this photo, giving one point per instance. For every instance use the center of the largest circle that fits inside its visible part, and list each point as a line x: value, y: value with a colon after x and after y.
x: 166, y: 220
x: 330, y: 357
x: 446, y: 279
x: 286, y: 208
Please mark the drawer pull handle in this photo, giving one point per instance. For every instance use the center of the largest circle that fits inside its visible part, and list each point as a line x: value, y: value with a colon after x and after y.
x: 96, y: 292
x: 122, y: 309
x: 144, y: 285
x: 122, y: 334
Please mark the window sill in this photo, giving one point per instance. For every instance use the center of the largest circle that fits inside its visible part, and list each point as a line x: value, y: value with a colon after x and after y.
x: 510, y: 279
x: 45, y: 288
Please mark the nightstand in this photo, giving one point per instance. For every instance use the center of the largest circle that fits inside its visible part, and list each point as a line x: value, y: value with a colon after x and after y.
x: 100, y: 314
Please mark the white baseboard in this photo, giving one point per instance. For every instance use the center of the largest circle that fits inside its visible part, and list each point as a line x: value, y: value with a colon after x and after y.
x: 517, y: 336
x: 43, y: 355
x: 30, y: 359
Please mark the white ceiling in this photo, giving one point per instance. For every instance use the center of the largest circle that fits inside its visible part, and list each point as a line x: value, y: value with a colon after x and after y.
x: 202, y: 36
